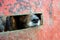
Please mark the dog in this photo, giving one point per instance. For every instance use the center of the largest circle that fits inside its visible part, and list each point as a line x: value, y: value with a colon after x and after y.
x: 33, y: 21
x: 21, y: 22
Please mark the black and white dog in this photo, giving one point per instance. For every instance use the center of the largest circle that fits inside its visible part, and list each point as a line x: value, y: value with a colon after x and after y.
x: 34, y: 21
x: 19, y: 22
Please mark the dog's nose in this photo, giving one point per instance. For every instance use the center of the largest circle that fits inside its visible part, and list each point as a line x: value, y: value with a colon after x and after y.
x: 35, y: 20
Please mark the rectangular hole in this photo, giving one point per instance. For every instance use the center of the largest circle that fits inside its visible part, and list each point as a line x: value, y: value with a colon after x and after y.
x: 19, y: 22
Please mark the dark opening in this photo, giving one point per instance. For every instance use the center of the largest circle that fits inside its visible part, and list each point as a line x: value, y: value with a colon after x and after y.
x: 18, y: 22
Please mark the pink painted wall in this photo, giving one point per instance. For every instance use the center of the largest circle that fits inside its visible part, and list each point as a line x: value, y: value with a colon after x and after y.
x: 51, y: 21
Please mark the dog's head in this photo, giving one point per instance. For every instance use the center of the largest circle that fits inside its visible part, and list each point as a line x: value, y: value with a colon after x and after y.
x: 33, y: 20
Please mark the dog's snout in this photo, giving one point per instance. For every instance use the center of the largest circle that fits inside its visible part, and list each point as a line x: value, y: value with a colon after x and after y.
x: 35, y: 20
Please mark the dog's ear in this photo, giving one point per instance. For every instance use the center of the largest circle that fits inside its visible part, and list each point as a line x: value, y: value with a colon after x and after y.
x: 13, y: 22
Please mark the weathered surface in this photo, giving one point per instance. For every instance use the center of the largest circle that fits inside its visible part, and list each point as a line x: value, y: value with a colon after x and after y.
x: 11, y: 7
x: 51, y: 26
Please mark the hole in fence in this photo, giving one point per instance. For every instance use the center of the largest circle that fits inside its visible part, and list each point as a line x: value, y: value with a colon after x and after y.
x: 18, y: 22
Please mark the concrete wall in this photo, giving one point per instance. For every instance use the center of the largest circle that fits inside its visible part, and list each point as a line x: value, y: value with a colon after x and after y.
x: 51, y: 19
